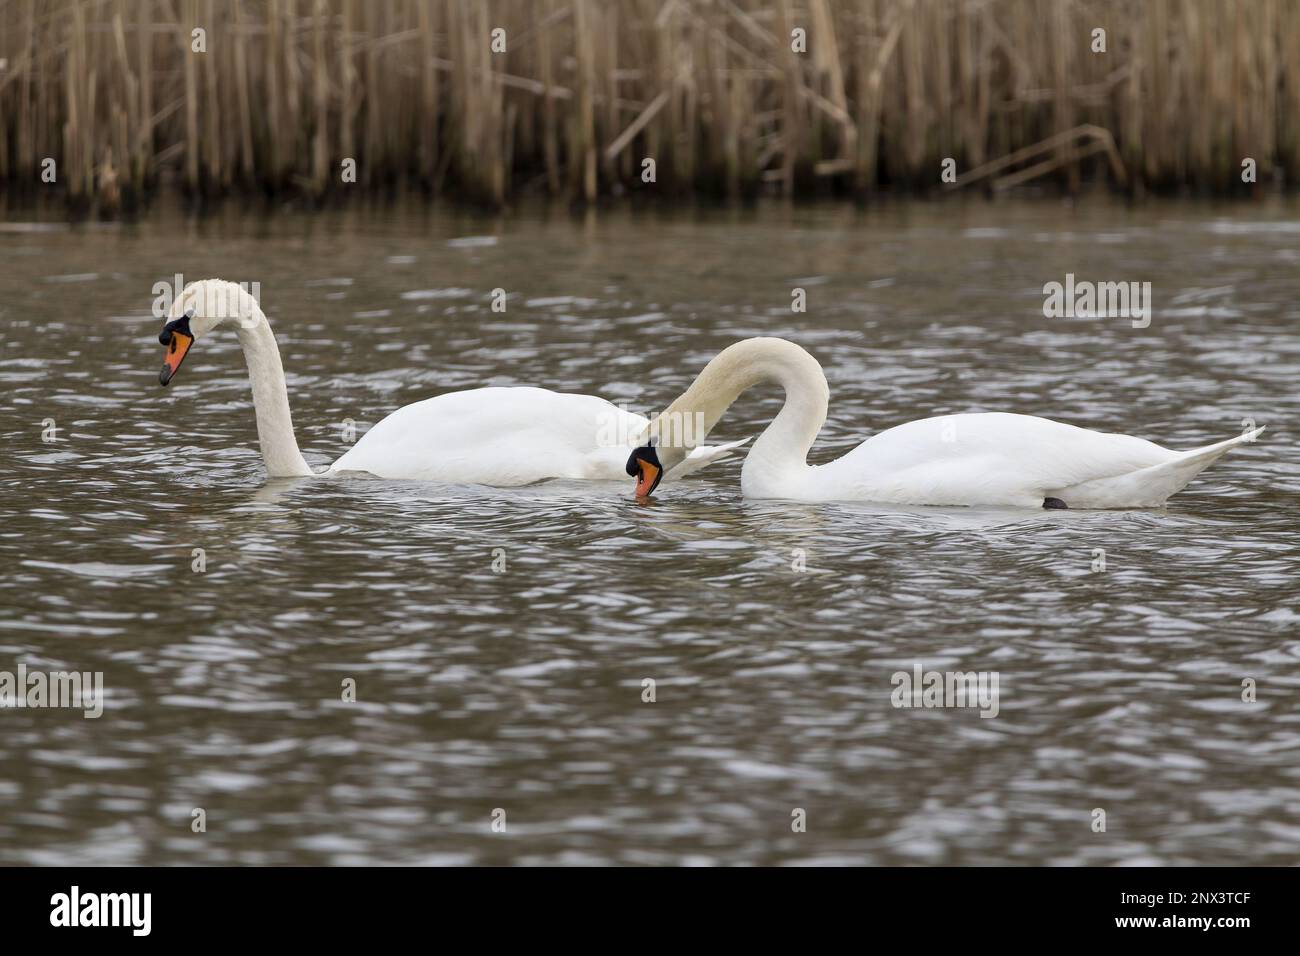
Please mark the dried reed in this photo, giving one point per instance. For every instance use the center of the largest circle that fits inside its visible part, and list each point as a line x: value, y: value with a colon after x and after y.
x: 586, y: 90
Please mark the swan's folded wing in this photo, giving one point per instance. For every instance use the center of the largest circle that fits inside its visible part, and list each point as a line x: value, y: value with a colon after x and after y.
x: 1150, y: 487
x: 703, y: 456
x: 984, y: 458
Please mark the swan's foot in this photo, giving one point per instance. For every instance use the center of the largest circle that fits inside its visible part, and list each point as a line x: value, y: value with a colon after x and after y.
x: 1054, y: 503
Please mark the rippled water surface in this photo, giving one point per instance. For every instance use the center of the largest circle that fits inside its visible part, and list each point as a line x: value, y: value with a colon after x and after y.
x: 520, y: 688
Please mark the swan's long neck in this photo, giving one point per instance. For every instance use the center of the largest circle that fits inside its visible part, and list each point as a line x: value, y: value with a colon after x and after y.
x: 778, y: 460
x: 271, y: 400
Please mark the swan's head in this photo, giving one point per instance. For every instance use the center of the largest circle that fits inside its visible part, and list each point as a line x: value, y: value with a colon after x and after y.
x: 644, y: 465
x: 673, y: 434
x: 663, y: 446
x: 200, y: 308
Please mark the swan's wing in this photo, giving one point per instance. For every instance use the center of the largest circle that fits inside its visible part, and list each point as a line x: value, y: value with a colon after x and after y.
x: 1150, y: 487
x: 986, y: 459
x: 507, y: 437
x: 702, y: 456
x: 494, y: 436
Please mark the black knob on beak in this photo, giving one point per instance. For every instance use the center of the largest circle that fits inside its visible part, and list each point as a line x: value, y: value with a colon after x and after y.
x: 645, y: 453
x: 175, y: 325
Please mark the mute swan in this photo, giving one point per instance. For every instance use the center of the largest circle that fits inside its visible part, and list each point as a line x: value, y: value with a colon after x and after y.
x: 490, y: 436
x: 977, y: 459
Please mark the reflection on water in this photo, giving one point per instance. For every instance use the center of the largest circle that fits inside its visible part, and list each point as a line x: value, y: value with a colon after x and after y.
x: 521, y: 688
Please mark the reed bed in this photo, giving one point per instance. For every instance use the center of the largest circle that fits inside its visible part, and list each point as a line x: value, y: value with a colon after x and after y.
x: 287, y: 91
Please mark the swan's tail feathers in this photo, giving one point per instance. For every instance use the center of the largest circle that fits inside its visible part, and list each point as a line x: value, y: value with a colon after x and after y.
x: 1218, y: 448
x: 702, y: 456
x: 1151, y: 487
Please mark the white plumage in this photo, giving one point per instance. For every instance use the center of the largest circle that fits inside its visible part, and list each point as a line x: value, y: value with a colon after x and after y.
x: 976, y: 459
x: 489, y: 436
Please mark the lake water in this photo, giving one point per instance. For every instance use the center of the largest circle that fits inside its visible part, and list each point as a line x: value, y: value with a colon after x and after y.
x: 772, y: 629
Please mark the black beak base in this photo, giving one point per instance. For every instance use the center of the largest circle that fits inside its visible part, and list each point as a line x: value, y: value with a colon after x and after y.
x: 647, y: 454
x: 175, y: 325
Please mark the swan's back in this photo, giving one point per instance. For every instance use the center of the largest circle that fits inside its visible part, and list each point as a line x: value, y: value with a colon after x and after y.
x: 498, y: 435
x: 991, y: 458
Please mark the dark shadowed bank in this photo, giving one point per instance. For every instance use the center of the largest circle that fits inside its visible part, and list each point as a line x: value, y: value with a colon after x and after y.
x: 103, y: 101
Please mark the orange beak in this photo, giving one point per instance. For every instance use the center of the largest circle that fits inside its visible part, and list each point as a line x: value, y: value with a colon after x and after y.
x: 177, y: 345
x: 647, y: 479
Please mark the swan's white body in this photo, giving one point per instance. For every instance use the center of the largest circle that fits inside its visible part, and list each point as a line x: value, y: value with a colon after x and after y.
x: 992, y: 459
x: 492, y: 436
x: 975, y: 459
x: 506, y: 437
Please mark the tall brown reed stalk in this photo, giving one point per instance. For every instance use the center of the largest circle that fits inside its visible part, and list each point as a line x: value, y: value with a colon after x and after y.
x: 586, y: 90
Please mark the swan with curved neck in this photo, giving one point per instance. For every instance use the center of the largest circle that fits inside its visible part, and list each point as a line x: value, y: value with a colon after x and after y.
x: 991, y: 458
x: 492, y: 436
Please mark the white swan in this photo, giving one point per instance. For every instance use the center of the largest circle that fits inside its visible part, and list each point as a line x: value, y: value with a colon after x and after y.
x: 490, y: 436
x: 977, y: 459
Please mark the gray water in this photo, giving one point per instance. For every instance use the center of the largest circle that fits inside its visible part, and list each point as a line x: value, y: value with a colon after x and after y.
x: 772, y: 629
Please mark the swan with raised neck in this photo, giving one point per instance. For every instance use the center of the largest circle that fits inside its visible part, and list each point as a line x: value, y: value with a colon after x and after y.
x: 208, y: 303
x: 499, y: 436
